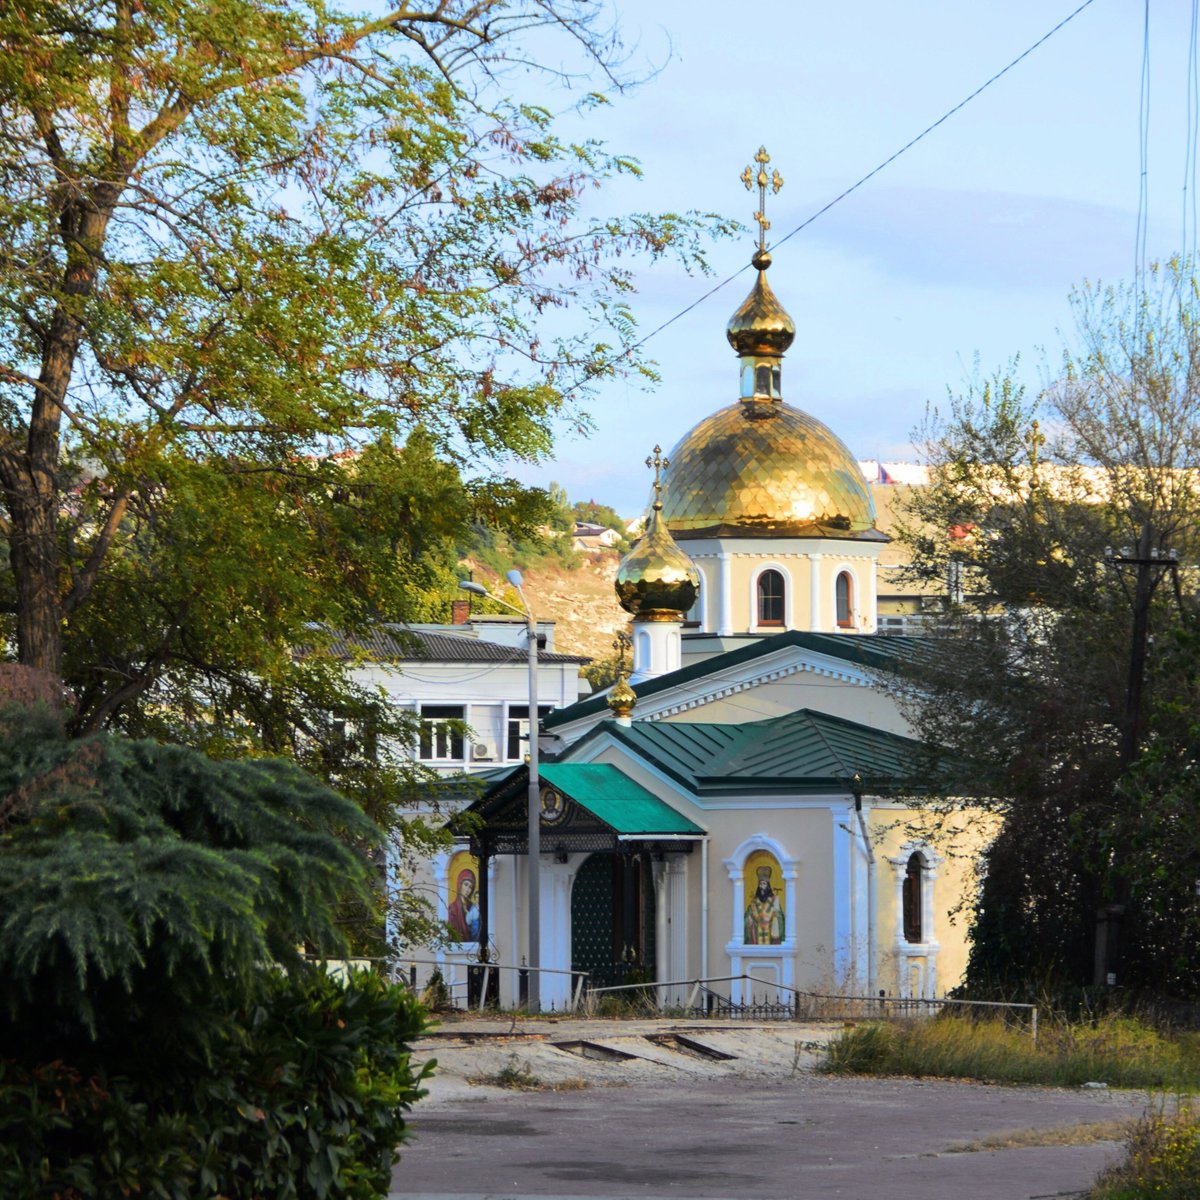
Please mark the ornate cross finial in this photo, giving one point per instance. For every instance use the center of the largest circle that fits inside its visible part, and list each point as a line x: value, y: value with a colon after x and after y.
x: 750, y: 177
x: 659, y: 464
x: 621, y: 644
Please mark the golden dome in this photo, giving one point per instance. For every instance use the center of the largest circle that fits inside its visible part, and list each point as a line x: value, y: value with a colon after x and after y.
x: 621, y: 698
x: 765, y: 469
x: 761, y: 326
x: 656, y: 580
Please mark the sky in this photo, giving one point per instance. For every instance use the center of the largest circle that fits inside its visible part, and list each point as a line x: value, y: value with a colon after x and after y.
x: 964, y: 250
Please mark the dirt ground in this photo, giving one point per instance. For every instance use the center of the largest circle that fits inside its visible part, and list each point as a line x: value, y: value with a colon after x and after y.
x: 730, y: 1109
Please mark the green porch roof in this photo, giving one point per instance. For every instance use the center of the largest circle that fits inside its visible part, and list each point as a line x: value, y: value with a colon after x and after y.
x: 620, y: 802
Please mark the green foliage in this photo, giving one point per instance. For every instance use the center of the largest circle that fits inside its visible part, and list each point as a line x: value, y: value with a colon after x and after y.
x: 163, y: 1031
x: 273, y: 276
x: 1162, y: 1158
x: 542, y: 537
x: 303, y: 1096
x: 1118, y: 1051
x: 1031, y: 681
x: 601, y: 672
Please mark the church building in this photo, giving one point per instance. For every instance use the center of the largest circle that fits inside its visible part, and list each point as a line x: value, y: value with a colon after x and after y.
x: 738, y: 809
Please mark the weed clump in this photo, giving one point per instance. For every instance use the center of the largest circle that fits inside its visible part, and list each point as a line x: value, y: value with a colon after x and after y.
x: 1118, y: 1051
x: 1162, y: 1158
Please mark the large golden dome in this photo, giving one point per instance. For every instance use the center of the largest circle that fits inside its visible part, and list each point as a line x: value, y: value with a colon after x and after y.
x: 760, y: 468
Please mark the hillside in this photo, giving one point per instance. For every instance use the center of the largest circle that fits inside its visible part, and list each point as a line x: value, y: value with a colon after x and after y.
x: 579, y: 600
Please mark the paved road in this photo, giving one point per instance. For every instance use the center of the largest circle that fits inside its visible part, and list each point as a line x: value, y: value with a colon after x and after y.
x: 808, y: 1136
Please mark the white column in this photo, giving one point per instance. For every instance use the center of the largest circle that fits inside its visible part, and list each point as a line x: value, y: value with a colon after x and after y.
x: 556, y: 933
x: 661, y: 928
x: 725, y: 578
x: 814, y: 603
x: 677, y: 881
x: 789, y: 958
x: 737, y: 878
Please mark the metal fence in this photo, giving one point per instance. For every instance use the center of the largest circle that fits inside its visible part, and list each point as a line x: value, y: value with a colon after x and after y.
x: 774, y: 1002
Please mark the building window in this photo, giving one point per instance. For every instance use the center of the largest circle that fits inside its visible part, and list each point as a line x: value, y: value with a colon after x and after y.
x: 911, y: 892
x: 441, y: 732
x: 518, y: 730
x: 770, y: 598
x: 844, y: 600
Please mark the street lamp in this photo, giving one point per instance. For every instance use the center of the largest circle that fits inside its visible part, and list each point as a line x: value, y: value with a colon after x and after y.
x: 534, y: 836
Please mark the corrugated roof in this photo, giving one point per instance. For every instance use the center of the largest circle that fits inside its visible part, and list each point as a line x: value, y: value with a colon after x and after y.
x: 398, y: 643
x: 804, y: 750
x: 620, y: 802
x: 877, y: 651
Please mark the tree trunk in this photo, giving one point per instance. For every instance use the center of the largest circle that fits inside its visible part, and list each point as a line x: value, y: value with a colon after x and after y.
x: 33, y: 552
x: 30, y: 474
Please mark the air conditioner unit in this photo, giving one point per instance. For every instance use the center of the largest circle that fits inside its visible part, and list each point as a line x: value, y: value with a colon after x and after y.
x: 480, y: 752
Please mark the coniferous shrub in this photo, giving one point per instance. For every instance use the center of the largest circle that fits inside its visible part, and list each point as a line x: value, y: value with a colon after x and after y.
x: 162, y: 1030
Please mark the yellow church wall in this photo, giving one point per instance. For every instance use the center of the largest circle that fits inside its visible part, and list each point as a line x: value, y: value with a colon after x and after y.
x: 804, y: 835
x: 953, y: 843
x: 747, y: 558
x: 840, y: 698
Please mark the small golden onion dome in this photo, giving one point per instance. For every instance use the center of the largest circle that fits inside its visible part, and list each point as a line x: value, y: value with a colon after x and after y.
x: 766, y: 469
x: 656, y: 580
x: 761, y: 326
x: 621, y: 697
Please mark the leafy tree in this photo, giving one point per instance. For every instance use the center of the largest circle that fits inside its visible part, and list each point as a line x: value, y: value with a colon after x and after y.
x: 598, y: 514
x: 243, y: 236
x: 1043, y: 677
x: 159, y: 900
x: 283, y: 289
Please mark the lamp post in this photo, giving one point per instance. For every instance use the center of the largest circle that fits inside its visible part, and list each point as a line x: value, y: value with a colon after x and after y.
x: 534, y: 834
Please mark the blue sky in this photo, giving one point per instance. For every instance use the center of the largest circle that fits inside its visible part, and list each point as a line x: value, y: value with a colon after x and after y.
x: 968, y: 246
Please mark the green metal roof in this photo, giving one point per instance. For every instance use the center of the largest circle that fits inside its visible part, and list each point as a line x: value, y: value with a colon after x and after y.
x: 801, y: 751
x: 881, y: 652
x: 620, y: 802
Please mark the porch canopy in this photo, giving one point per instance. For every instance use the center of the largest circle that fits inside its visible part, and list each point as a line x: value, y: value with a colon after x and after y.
x: 586, y: 808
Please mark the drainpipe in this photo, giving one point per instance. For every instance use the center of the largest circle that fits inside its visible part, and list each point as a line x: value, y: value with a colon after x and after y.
x: 704, y: 908
x: 856, y: 788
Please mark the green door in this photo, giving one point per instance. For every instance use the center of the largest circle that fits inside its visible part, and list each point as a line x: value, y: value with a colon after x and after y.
x: 612, y: 919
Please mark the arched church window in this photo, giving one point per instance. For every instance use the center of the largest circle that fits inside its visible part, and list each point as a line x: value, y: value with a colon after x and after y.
x: 770, y: 598
x: 844, y: 600
x: 914, y: 923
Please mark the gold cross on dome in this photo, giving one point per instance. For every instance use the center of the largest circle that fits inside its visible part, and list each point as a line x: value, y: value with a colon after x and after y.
x: 660, y: 464
x: 621, y: 644
x: 750, y: 177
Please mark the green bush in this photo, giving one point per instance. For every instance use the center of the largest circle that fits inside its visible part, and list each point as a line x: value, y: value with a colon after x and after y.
x: 1162, y: 1159
x: 304, y: 1097
x: 162, y: 1033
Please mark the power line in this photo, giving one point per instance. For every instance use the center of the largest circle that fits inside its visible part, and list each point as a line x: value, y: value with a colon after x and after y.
x: 852, y: 188
x: 1188, y: 249
x: 1139, y: 265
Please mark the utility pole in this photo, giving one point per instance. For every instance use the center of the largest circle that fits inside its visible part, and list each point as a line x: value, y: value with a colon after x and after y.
x: 1149, y: 566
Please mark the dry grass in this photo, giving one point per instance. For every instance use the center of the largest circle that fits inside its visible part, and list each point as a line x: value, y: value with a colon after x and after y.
x: 1118, y: 1051
x: 1083, y: 1134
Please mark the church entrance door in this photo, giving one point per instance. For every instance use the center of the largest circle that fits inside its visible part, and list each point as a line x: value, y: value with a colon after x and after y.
x: 612, y: 919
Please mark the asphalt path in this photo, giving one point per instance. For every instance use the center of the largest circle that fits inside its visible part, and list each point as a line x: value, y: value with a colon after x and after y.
x: 805, y: 1136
